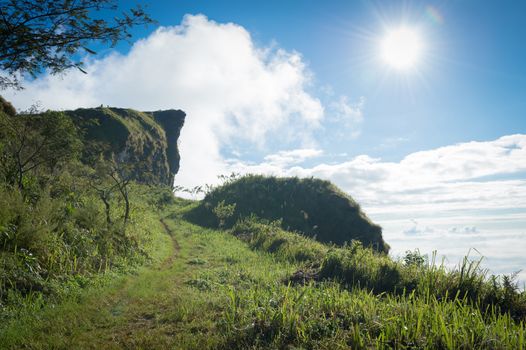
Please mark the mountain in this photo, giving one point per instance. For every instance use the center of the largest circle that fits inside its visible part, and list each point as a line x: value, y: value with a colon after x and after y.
x: 313, y: 207
x: 147, y: 141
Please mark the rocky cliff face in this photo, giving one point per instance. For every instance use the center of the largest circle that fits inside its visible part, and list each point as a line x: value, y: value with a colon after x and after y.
x: 146, y: 141
x: 172, y: 122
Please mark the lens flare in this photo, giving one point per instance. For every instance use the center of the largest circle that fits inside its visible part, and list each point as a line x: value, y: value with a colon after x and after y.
x: 434, y: 15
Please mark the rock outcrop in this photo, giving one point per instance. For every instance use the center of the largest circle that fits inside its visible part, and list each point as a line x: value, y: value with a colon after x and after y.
x: 146, y: 141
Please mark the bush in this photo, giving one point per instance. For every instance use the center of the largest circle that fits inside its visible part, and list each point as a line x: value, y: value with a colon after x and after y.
x: 62, y: 236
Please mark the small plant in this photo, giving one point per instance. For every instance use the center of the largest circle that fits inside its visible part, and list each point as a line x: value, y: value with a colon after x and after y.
x: 200, y: 284
x: 223, y: 211
x: 227, y: 179
x: 415, y: 258
x: 197, y: 261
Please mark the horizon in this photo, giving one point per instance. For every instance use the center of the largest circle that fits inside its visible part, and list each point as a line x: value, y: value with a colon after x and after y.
x: 432, y: 146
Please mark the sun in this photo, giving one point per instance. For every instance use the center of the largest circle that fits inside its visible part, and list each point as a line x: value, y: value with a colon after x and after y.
x: 401, y: 48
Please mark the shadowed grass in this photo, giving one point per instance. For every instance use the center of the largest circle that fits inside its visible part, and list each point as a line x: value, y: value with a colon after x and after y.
x: 312, y: 207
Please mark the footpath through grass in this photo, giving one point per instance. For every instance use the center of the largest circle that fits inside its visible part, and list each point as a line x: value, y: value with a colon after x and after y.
x: 178, y: 302
x: 211, y: 290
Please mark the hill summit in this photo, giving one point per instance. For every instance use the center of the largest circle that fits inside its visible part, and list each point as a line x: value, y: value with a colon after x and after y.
x: 147, y: 141
x: 313, y: 207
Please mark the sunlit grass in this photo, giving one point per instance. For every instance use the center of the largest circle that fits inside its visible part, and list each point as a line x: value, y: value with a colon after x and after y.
x: 239, y: 296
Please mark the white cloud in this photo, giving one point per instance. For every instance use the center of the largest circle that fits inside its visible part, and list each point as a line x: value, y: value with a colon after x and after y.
x: 348, y: 115
x: 230, y: 89
x: 392, y: 142
x: 416, y: 230
x: 288, y: 158
x: 466, y: 175
x: 465, y: 229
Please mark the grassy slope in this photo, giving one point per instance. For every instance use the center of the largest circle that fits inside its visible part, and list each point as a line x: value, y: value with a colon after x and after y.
x: 314, y: 207
x: 159, y: 306
x: 210, y: 290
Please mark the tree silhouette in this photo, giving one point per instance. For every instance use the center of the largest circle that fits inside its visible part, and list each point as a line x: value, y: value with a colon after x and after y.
x: 36, y: 35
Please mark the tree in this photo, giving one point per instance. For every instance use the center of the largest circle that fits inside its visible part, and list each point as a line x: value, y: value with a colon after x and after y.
x: 121, y: 177
x: 33, y: 141
x: 110, y: 176
x: 36, y: 35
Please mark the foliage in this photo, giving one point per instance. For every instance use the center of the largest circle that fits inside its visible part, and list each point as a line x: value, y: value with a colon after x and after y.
x: 54, y: 229
x: 227, y: 179
x: 62, y: 236
x: 223, y: 212
x: 132, y: 138
x: 109, y: 177
x: 6, y: 107
x: 49, y: 34
x: 31, y: 142
x: 414, y: 258
x: 269, y: 237
x: 222, y: 291
x: 314, y: 207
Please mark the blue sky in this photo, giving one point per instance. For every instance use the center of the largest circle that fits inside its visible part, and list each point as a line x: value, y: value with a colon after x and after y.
x: 470, y: 87
x: 436, y: 153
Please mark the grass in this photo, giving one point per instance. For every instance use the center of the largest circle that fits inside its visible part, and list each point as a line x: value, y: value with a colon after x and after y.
x: 52, y: 253
x: 313, y: 207
x: 355, y: 266
x: 215, y: 290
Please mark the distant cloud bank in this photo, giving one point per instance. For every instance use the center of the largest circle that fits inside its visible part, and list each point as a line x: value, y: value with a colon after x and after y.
x: 476, y: 175
x: 468, y: 197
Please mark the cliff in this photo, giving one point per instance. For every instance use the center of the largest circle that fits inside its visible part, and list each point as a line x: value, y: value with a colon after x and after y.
x: 147, y: 141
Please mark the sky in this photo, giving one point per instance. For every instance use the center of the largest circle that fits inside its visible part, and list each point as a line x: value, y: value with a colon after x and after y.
x: 435, y: 153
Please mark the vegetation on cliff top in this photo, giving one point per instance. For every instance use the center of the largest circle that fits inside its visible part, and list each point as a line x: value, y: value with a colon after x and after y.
x: 145, y: 141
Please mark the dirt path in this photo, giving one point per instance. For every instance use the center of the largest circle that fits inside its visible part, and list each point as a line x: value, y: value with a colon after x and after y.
x: 176, y: 248
x: 129, y: 312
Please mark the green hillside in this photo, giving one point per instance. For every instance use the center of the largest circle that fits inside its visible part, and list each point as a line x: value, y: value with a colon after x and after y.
x: 146, y: 141
x: 314, y: 207
x: 78, y: 197
x: 211, y: 289
x: 94, y: 255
